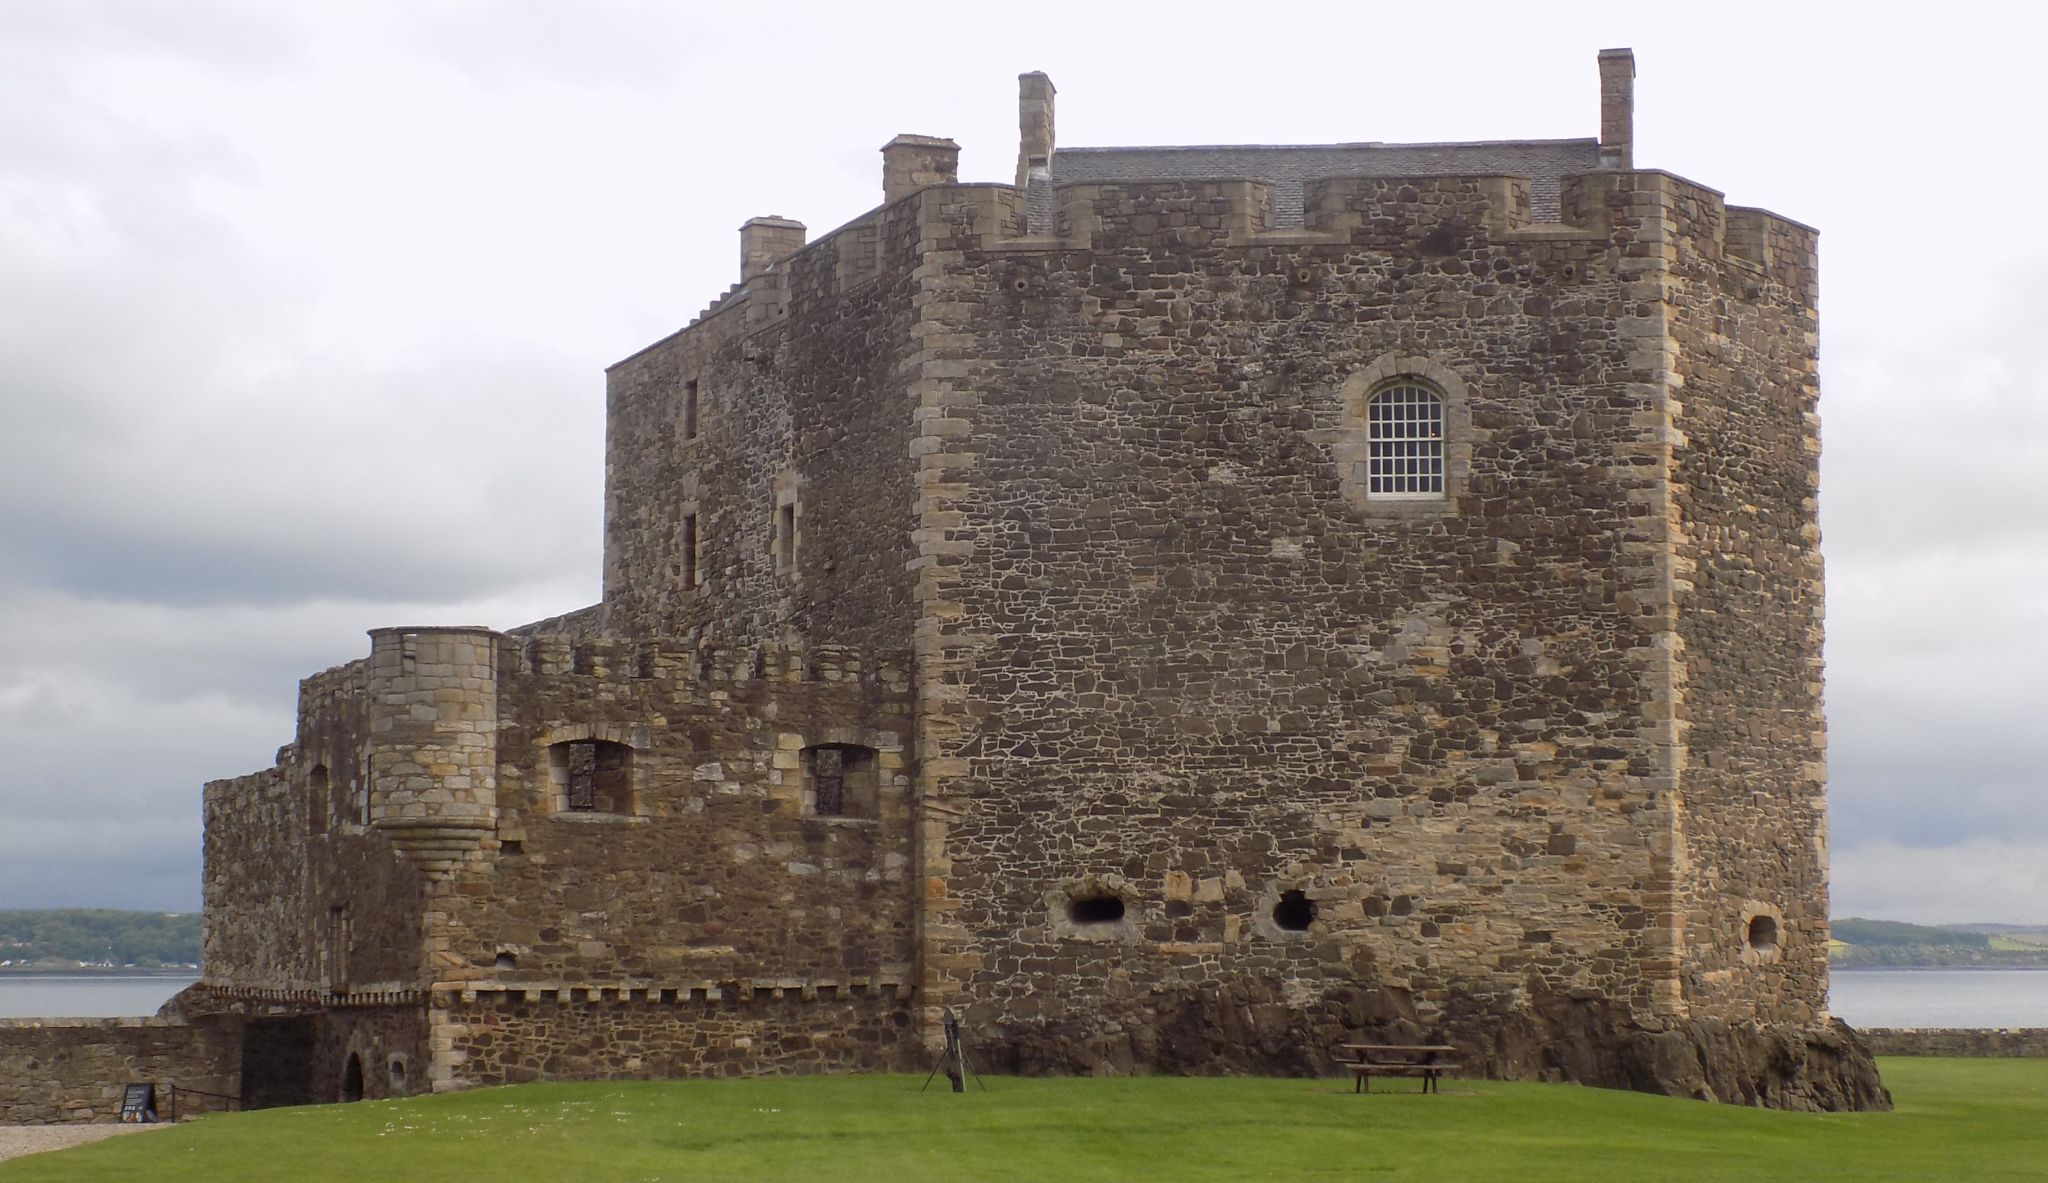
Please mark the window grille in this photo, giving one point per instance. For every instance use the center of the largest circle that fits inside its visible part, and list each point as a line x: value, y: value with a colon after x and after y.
x: 593, y: 776
x: 583, y: 776
x: 1405, y: 443
x: 828, y: 772
x: 841, y: 780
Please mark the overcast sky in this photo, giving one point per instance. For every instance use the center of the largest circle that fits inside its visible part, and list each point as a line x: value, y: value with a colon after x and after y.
x: 304, y: 309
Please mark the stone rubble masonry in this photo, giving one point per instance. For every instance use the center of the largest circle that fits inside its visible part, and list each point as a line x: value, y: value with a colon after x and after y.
x: 1166, y: 645
x: 73, y: 1070
x: 712, y: 885
x: 1957, y: 1041
x: 709, y: 1029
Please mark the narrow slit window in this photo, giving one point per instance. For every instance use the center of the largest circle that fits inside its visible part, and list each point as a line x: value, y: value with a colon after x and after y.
x: 319, y: 799
x: 339, y: 937
x: 785, y: 539
x: 1405, y: 443
x: 690, y: 409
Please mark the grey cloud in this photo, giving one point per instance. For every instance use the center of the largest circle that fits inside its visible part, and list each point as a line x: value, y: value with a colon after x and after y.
x: 114, y: 715
x: 1934, y: 422
x: 598, y: 43
x: 243, y: 36
x: 275, y: 495
x: 1981, y: 880
x: 146, y: 859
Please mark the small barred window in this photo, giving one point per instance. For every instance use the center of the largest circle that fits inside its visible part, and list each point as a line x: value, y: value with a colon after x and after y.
x: 829, y: 768
x: 592, y: 776
x: 1405, y: 443
x: 841, y: 780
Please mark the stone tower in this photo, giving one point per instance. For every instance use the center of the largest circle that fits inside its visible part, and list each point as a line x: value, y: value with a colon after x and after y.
x: 433, y: 723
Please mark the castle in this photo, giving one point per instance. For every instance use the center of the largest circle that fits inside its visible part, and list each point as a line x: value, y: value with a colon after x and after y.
x: 1179, y: 611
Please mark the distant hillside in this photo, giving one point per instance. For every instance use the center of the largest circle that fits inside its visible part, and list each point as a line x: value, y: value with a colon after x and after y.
x: 64, y: 938
x: 1858, y: 931
x: 1871, y: 944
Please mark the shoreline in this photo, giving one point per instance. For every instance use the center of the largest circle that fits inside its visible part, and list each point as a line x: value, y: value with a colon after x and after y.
x: 1871, y: 969
x: 99, y: 973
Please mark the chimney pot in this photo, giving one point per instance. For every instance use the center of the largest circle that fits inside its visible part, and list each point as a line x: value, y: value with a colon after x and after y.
x: 1617, y: 108
x: 1034, y: 125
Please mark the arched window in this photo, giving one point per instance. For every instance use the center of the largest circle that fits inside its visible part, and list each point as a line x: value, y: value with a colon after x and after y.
x: 1404, y: 443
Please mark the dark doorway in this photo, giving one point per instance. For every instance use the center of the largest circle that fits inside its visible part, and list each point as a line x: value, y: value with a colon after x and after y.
x: 352, y: 1079
x: 277, y: 1061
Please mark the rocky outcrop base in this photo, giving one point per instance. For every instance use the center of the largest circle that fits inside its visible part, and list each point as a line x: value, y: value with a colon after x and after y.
x: 1814, y: 1067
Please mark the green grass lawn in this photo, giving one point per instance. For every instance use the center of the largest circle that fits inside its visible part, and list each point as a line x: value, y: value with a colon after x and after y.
x: 1956, y: 1119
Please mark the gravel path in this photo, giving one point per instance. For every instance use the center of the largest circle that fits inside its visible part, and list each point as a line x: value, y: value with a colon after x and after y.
x: 17, y: 1140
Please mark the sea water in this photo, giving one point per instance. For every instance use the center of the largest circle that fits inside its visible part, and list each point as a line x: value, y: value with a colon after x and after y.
x: 53, y: 996
x: 1864, y: 998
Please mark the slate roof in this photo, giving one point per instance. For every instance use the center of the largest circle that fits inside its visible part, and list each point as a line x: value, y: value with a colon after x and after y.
x: 1286, y: 166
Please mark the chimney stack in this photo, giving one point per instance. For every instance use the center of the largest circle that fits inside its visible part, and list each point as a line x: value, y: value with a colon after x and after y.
x: 910, y: 163
x: 1617, y: 108
x: 767, y: 241
x: 1034, y: 125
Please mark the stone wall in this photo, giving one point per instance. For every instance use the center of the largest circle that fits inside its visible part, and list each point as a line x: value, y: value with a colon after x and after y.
x: 311, y: 1056
x: 1171, y: 657
x: 1957, y: 1041
x: 302, y: 895
x: 1747, y: 602
x: 710, y: 862
x: 1222, y: 674
x: 804, y: 416
x: 73, y: 1070
x: 500, y: 1036
x: 719, y: 867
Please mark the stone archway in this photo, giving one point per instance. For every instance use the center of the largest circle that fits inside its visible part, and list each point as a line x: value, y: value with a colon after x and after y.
x: 352, y: 1079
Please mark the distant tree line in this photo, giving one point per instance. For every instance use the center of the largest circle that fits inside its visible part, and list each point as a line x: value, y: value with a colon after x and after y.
x: 98, y: 936
x: 1858, y: 931
x: 1870, y: 944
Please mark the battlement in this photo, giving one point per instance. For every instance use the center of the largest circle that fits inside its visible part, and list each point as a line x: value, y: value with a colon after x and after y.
x: 675, y: 659
x: 1387, y: 197
x: 683, y: 661
x: 1426, y: 218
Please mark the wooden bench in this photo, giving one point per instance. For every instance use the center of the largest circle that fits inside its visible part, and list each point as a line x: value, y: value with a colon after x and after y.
x: 1427, y: 1060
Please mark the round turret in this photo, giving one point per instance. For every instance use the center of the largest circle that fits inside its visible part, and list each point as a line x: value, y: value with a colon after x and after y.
x: 433, y: 741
